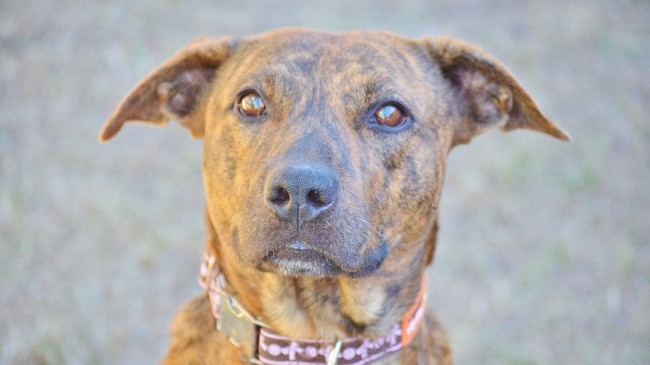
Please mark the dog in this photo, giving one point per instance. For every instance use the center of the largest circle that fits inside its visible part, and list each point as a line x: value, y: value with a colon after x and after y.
x: 323, y: 162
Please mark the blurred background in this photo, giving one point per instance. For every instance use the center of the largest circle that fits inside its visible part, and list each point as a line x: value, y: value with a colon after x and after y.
x: 544, y: 250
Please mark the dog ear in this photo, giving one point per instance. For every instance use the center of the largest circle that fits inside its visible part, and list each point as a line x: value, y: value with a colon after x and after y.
x: 489, y: 95
x: 174, y: 90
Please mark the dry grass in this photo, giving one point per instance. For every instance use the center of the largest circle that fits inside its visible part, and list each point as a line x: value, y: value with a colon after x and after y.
x: 544, y: 254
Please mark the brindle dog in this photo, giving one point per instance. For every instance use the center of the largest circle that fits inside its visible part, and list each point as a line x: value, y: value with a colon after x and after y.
x: 324, y: 157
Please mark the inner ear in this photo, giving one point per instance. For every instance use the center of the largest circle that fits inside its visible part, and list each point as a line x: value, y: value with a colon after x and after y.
x: 175, y: 90
x: 488, y: 102
x: 486, y: 93
x: 179, y: 96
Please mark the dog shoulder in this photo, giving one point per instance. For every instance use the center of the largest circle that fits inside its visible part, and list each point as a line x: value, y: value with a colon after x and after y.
x: 194, y: 338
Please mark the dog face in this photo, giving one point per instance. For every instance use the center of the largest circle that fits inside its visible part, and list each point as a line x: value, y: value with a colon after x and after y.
x: 324, y: 154
x: 307, y: 150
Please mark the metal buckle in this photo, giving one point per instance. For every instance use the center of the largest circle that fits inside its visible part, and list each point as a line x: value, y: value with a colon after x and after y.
x: 233, y: 320
x: 238, y: 325
x: 235, y: 326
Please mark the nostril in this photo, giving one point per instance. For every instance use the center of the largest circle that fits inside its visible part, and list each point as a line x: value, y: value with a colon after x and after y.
x: 316, y: 198
x: 279, y: 196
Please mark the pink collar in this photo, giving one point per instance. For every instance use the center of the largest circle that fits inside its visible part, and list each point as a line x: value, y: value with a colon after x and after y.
x: 263, y: 346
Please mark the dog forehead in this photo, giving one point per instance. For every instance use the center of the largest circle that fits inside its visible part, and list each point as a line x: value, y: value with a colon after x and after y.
x: 313, y: 40
x: 306, y: 52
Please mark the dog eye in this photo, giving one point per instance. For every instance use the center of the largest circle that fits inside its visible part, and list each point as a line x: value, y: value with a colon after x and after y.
x: 390, y: 115
x: 251, y: 104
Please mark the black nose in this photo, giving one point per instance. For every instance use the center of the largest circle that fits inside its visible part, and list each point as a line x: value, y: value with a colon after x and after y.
x: 301, y: 192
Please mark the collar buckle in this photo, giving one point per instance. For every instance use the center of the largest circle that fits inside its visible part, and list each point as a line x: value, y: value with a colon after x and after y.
x: 234, y: 323
x: 239, y: 326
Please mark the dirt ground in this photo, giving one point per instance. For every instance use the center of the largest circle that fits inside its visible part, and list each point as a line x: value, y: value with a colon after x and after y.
x: 544, y: 251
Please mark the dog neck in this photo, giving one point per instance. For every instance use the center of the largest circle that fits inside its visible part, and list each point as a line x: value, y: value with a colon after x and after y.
x: 264, y: 342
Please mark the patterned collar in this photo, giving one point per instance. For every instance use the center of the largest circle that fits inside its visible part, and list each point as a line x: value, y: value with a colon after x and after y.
x: 263, y: 346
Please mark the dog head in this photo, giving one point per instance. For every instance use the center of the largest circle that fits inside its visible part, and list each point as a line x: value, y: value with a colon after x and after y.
x: 325, y: 153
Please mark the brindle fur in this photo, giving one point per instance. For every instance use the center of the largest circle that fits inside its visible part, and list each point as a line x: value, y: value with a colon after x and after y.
x: 321, y: 90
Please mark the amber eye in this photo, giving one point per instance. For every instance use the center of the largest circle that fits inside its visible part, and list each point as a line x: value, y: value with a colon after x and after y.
x: 389, y: 115
x: 251, y: 104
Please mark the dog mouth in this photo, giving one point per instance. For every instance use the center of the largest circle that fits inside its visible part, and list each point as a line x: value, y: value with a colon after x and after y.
x: 299, y: 259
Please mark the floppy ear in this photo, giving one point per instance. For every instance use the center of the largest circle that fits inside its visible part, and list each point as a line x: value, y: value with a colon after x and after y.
x: 488, y: 95
x: 174, y: 90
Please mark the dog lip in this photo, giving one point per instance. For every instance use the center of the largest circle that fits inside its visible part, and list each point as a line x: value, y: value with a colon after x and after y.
x: 297, y: 252
x: 299, y: 259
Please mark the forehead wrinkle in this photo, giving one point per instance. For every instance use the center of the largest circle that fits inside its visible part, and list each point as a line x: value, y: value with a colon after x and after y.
x: 265, y: 64
x: 280, y: 85
x: 368, y: 90
x: 366, y: 73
